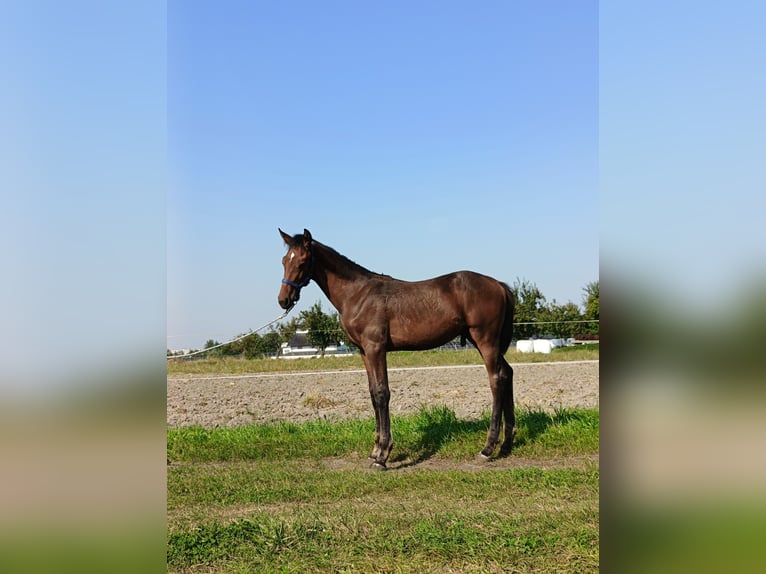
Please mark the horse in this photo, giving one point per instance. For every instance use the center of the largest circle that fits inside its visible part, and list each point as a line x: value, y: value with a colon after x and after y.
x: 380, y: 314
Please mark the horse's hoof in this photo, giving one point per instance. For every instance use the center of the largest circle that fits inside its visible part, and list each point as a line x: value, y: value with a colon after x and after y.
x: 481, y: 457
x: 378, y: 466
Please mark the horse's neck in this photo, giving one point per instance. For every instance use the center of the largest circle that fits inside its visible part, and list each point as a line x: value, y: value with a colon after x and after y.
x: 337, y: 276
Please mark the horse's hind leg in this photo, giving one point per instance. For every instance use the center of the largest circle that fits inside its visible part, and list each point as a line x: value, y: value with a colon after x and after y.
x: 509, y: 413
x: 500, y: 376
x: 496, y: 385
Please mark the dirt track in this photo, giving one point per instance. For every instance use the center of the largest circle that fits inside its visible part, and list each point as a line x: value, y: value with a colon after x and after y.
x: 232, y: 400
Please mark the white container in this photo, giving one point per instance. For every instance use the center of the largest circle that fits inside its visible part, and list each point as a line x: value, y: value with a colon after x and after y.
x: 542, y: 346
x: 525, y: 346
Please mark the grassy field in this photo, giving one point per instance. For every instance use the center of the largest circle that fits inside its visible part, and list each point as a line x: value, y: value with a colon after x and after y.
x: 397, y: 359
x: 299, y: 497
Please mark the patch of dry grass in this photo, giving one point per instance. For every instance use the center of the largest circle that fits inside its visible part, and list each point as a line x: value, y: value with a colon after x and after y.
x: 314, y: 400
x: 434, y: 358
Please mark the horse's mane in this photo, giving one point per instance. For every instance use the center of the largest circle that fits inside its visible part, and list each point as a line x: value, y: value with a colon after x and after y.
x: 351, y: 266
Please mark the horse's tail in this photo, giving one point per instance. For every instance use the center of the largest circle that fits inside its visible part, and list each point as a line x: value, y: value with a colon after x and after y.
x: 507, y: 332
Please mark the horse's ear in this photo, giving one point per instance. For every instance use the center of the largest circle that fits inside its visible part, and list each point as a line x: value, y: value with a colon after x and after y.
x: 306, y: 236
x: 287, y: 239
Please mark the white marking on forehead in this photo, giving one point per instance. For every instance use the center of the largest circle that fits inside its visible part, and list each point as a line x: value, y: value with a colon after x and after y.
x: 292, y: 255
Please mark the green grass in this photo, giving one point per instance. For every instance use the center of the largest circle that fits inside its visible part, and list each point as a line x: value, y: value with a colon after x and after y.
x: 299, y: 498
x: 396, y: 359
x: 422, y: 521
x: 434, y: 431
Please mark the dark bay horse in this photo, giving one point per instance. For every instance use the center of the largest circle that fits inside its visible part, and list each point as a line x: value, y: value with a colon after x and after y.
x: 381, y: 314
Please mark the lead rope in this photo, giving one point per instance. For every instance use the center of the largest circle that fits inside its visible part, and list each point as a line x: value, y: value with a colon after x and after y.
x: 282, y: 316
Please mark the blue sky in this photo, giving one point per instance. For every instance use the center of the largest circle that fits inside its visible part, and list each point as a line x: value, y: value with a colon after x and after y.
x: 149, y: 153
x: 415, y: 138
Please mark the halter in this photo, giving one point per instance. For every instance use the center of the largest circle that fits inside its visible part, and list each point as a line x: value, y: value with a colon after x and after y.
x: 307, y: 279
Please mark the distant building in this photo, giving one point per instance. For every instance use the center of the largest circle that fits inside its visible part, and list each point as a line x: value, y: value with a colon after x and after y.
x: 298, y: 347
x: 179, y: 352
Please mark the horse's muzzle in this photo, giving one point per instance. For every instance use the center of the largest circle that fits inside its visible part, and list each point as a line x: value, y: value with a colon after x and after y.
x: 286, y: 304
x: 288, y: 297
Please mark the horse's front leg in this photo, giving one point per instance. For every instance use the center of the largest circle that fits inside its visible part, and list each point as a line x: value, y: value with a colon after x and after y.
x: 376, y: 448
x: 377, y: 376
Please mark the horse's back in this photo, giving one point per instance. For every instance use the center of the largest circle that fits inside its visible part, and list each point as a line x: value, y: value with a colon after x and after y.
x: 475, y: 286
x: 428, y: 313
x: 462, y: 290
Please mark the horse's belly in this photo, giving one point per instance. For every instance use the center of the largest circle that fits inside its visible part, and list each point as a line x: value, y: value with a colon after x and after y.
x: 419, y: 335
x: 422, y: 317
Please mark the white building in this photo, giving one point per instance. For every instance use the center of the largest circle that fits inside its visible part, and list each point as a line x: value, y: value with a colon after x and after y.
x: 299, y: 348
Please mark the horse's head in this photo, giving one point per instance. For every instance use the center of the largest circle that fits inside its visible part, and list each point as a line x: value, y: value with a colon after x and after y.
x: 298, y: 264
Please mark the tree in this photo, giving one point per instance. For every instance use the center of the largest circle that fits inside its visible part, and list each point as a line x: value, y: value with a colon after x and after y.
x: 529, y: 303
x: 323, y: 330
x: 217, y: 352
x: 591, y: 304
x: 287, y: 330
x: 560, y: 319
x: 270, y: 343
x: 254, y: 346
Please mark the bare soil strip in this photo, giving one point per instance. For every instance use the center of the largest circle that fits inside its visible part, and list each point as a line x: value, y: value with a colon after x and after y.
x: 232, y: 400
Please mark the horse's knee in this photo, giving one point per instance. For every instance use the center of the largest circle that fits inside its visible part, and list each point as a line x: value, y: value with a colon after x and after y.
x: 381, y: 396
x: 379, y: 392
